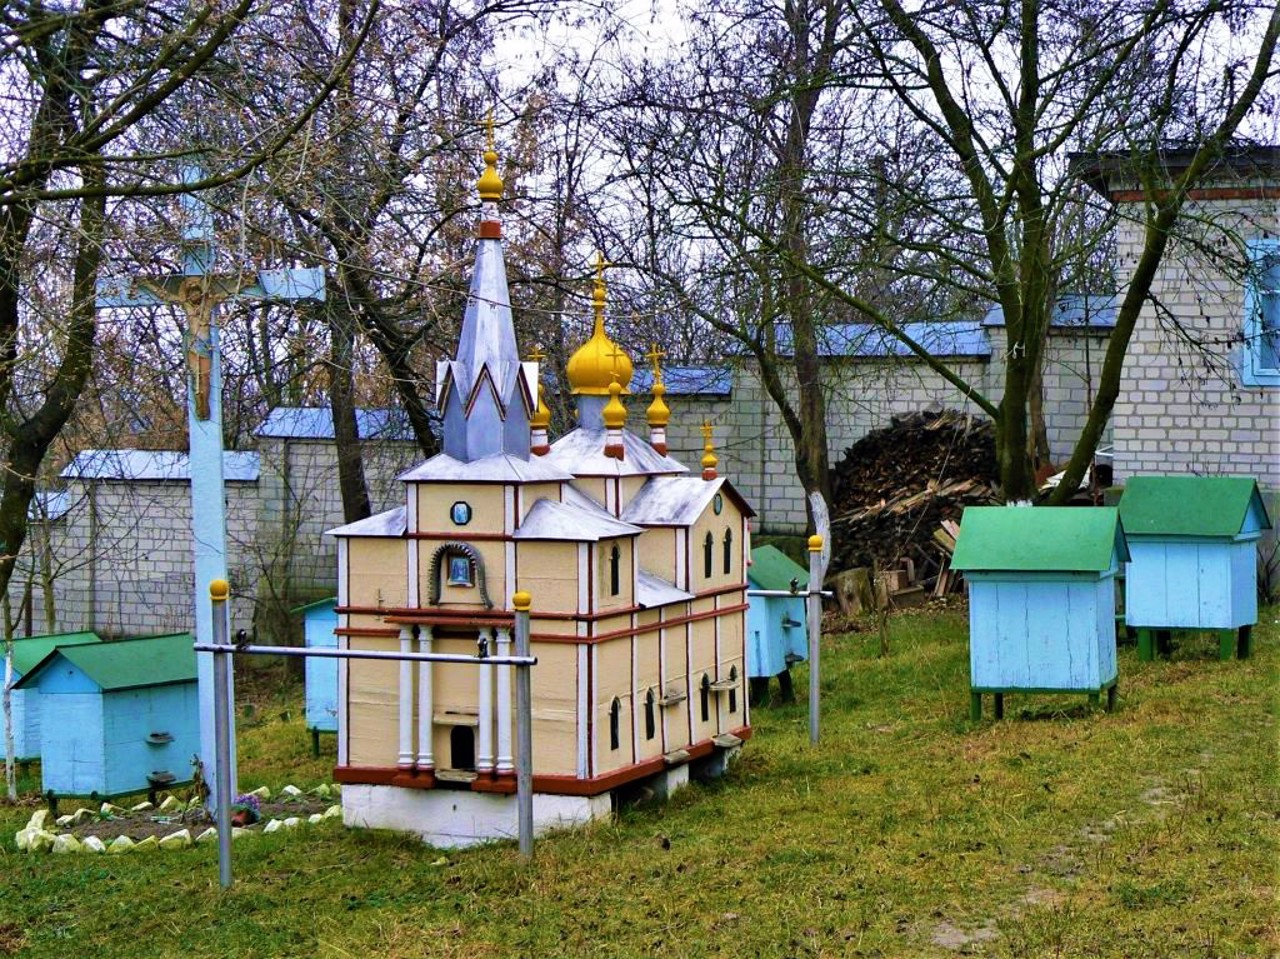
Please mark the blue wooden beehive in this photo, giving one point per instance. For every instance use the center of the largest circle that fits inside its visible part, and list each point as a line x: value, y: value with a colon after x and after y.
x: 1041, y: 600
x: 1193, y: 541
x: 27, y: 653
x: 319, y: 620
x: 777, y: 635
x: 118, y: 717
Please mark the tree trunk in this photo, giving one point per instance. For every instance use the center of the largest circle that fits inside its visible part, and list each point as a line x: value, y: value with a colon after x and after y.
x: 351, y: 479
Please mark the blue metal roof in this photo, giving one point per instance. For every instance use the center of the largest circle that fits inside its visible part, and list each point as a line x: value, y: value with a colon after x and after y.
x: 1096, y: 311
x: 316, y: 423
x: 170, y: 465
x: 48, y: 504
x: 939, y: 337
x: 687, y: 380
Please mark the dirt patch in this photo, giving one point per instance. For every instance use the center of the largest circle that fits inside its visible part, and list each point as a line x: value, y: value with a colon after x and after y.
x: 12, y: 939
x: 152, y: 822
x: 953, y: 937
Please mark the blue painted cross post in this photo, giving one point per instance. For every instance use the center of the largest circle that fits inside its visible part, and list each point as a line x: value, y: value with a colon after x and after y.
x: 198, y: 291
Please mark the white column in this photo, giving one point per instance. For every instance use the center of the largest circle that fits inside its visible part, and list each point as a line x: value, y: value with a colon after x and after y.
x: 505, y: 763
x: 405, y: 759
x: 484, y: 748
x: 426, y: 702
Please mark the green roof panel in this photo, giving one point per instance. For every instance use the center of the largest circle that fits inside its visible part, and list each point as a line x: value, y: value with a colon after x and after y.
x: 771, y: 568
x: 27, y: 652
x: 1039, y: 539
x: 128, y: 663
x: 1192, y: 506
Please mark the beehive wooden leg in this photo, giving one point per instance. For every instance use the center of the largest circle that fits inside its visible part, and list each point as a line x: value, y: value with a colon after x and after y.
x: 1226, y: 644
x: 975, y: 706
x: 1164, y: 642
x: 1146, y: 650
x: 1244, y: 642
x: 1111, y: 697
x: 315, y: 743
x: 999, y: 698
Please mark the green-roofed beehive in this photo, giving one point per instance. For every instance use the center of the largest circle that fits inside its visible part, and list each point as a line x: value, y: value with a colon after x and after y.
x: 777, y: 635
x: 1041, y: 599
x: 1193, y: 541
x: 117, y: 717
x: 27, y: 652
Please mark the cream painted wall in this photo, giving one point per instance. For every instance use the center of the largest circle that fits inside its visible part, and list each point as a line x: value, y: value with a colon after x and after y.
x: 435, y: 503
x: 548, y: 571
x: 378, y: 572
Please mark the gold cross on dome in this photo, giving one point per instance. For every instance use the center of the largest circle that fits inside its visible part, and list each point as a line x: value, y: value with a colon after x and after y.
x: 706, y: 432
x: 536, y: 355
x: 488, y: 125
x: 654, y: 356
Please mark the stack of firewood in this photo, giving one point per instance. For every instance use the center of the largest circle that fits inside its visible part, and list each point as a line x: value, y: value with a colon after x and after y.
x: 896, y: 487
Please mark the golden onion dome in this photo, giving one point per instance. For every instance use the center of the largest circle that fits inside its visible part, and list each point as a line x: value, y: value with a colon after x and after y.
x: 614, y: 413
x: 541, y: 418
x: 599, y: 362
x: 490, y: 185
x: 659, y: 413
x: 709, y: 458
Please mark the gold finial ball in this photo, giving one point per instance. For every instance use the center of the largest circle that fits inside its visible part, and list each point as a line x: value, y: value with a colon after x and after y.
x: 490, y: 185
x: 815, y: 543
x: 219, y: 590
x: 522, y: 601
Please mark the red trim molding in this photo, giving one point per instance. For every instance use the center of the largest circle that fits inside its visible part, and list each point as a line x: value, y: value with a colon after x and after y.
x: 490, y: 230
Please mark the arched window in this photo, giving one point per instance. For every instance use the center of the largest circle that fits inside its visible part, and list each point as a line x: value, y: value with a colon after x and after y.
x: 615, y: 564
x: 705, y: 690
x: 708, y: 546
x: 728, y: 550
x: 733, y: 691
x: 615, y: 714
x: 650, y: 724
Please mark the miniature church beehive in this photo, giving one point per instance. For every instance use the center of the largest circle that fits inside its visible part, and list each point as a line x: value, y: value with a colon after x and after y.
x: 636, y: 570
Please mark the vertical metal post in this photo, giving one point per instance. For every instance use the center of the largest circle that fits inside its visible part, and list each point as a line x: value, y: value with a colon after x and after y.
x: 813, y: 613
x: 522, y: 602
x: 219, y: 590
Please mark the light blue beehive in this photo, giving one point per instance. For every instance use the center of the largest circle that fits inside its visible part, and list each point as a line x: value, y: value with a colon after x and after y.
x: 27, y: 652
x: 1193, y: 541
x: 776, y: 632
x: 117, y: 717
x: 1041, y: 599
x: 319, y: 620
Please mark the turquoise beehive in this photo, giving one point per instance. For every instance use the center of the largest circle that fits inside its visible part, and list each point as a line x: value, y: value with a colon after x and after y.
x: 27, y: 652
x: 777, y: 635
x: 117, y: 717
x: 1041, y: 599
x: 1193, y: 541
x: 319, y: 620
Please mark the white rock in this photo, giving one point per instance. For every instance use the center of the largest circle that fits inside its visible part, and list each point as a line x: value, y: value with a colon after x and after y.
x: 110, y: 809
x: 65, y: 843
x: 92, y: 844
x: 120, y: 844
x: 333, y: 812
x: 65, y: 821
x: 322, y: 791
x: 39, y: 819
x: 291, y: 822
x: 83, y: 815
x: 171, y: 804
x: 23, y: 838
x: 143, y: 806
x: 262, y: 792
x: 177, y: 840
x: 315, y: 818
x: 237, y: 832
x: 209, y: 835
x: 291, y: 790
x: 151, y: 842
x: 274, y: 826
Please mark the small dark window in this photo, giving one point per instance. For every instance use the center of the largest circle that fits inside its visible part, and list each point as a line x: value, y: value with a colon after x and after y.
x: 462, y: 748
x: 705, y: 690
x: 708, y: 547
x: 615, y: 714
x: 728, y: 550
x: 733, y: 692
x: 650, y: 725
x: 615, y: 564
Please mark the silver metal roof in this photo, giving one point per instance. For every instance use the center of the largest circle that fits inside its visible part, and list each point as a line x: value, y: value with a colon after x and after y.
x: 560, y: 521
x: 582, y: 452
x: 500, y: 468
x: 394, y: 522
x: 677, y: 500
x: 164, y: 465
x: 316, y: 422
x: 654, y: 591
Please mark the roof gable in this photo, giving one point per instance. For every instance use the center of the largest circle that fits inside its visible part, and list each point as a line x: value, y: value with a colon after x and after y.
x: 28, y: 652
x: 771, y: 568
x: 562, y: 521
x: 1040, y: 539
x: 679, y: 500
x: 1192, y: 506
x: 126, y: 663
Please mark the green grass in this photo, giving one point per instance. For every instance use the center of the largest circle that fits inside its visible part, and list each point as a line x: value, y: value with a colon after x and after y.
x: 907, y: 832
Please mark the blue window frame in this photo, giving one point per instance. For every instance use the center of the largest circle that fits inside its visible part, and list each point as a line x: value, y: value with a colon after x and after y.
x: 1260, y: 361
